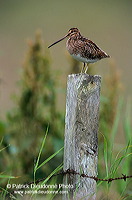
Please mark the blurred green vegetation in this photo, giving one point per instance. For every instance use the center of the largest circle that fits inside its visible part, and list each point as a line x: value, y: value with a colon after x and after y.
x: 36, y: 112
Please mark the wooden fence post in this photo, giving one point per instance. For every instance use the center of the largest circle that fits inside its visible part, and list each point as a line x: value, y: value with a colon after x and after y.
x: 81, y: 142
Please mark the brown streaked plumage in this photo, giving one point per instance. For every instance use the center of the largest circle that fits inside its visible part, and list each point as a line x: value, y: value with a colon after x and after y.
x: 81, y: 48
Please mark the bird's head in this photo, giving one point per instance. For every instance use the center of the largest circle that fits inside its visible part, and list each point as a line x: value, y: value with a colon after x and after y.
x: 73, y: 32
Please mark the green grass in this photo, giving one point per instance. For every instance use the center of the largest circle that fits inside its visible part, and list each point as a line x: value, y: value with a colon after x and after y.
x: 118, y: 159
x: 38, y: 166
x: 4, y: 176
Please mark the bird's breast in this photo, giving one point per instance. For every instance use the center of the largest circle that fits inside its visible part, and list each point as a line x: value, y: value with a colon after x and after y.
x: 83, y: 59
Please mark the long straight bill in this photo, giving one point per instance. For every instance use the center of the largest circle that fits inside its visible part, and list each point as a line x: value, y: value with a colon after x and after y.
x: 57, y: 41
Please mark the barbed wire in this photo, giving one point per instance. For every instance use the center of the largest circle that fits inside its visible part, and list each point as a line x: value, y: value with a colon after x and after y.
x: 73, y: 172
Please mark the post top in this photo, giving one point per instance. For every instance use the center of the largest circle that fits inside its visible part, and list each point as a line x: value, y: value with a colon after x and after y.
x: 84, y: 74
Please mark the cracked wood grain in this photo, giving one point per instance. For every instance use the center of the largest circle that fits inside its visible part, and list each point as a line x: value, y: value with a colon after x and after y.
x: 81, y: 129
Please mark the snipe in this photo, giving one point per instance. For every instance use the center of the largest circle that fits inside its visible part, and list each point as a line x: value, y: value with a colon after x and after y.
x: 82, y: 49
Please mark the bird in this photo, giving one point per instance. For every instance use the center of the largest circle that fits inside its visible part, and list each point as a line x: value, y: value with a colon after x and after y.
x: 82, y: 49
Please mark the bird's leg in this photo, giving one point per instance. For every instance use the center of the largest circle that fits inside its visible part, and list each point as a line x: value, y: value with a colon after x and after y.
x: 83, y: 68
x: 86, y: 69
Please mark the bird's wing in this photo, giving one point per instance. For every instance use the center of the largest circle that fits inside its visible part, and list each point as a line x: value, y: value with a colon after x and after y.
x: 91, y: 50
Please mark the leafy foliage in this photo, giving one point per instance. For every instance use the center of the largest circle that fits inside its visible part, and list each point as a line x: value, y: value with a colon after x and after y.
x: 35, y: 111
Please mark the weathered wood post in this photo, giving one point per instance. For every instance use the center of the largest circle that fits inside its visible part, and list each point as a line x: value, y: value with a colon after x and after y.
x: 81, y: 142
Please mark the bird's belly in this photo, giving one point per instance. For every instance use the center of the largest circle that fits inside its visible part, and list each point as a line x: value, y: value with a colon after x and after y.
x: 82, y: 59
